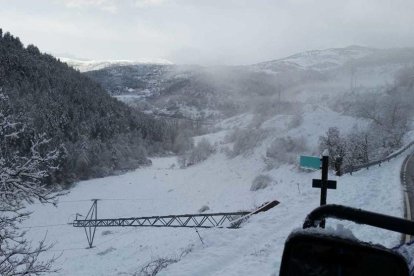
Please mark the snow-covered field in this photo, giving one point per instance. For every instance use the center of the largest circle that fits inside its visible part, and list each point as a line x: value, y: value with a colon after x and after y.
x: 223, y: 184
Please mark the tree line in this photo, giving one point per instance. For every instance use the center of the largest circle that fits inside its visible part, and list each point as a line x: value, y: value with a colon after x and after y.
x: 388, y: 120
x: 96, y: 134
x: 58, y: 126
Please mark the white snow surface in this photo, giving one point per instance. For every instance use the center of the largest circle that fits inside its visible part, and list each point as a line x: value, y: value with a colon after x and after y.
x: 223, y: 185
x: 318, y: 60
x: 90, y: 65
x: 326, y: 59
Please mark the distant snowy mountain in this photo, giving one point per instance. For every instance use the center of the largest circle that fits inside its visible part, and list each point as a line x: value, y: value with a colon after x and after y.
x: 267, y: 115
x: 90, y: 65
x: 319, y: 60
x: 222, y: 91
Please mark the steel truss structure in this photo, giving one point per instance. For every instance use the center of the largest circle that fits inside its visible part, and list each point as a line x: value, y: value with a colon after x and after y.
x: 211, y: 220
x: 198, y: 220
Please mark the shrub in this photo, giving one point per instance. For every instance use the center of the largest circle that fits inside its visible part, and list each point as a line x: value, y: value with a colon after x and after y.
x: 245, y: 140
x: 296, y: 121
x: 152, y: 268
x: 182, y: 142
x: 199, y: 153
x: 284, y: 150
x: 261, y: 182
x: 155, y: 266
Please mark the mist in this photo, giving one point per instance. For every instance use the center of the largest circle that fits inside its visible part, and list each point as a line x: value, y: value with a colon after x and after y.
x: 206, y: 32
x: 157, y: 108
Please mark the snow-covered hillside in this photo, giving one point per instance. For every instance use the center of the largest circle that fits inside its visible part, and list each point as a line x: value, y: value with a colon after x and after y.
x: 90, y: 65
x: 219, y: 92
x: 223, y: 184
x: 319, y: 60
x: 264, y: 118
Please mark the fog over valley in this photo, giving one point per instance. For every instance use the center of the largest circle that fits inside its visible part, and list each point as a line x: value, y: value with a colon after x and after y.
x: 195, y: 137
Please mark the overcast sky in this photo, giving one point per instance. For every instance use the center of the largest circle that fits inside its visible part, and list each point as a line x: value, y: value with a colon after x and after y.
x: 206, y: 32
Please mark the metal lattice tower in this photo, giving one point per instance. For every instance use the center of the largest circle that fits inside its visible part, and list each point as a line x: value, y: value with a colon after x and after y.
x: 211, y: 220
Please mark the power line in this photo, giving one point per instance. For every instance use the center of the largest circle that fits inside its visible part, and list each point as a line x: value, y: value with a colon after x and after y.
x: 47, y: 225
x: 63, y: 201
x: 100, y: 199
x: 124, y: 199
x: 66, y: 249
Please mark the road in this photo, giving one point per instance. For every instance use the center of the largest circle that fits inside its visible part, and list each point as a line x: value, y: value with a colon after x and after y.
x: 407, y: 180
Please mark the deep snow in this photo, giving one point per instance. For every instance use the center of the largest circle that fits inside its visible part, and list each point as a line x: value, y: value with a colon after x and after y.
x: 223, y: 184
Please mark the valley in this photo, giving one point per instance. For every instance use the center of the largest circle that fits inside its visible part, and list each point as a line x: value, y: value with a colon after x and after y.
x: 150, y: 139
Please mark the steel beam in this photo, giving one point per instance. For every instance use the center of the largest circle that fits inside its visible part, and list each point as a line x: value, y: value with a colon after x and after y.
x: 211, y: 220
x: 188, y: 220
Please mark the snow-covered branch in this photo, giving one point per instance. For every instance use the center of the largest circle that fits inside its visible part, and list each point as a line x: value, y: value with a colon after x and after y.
x: 24, y: 165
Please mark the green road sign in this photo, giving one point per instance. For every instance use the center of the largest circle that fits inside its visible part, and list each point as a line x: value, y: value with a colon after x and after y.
x: 310, y: 162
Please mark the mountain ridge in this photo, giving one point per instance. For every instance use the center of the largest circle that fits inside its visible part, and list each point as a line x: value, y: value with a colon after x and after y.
x: 205, y: 92
x: 99, y: 134
x: 85, y: 65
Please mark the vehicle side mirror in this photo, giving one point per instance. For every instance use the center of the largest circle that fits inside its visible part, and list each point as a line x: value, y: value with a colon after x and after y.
x: 308, y: 253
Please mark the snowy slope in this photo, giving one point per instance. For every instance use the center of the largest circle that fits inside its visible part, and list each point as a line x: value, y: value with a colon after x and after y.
x: 90, y: 65
x: 218, y: 92
x: 319, y: 60
x: 224, y: 185
x: 361, y: 68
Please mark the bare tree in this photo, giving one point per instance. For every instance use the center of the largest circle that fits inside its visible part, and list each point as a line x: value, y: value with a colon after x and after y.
x: 389, y: 117
x: 359, y: 147
x: 24, y: 165
x: 335, y: 143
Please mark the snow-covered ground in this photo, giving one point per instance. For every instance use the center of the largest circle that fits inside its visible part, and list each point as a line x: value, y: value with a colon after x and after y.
x: 90, y: 65
x: 223, y: 184
x: 319, y: 60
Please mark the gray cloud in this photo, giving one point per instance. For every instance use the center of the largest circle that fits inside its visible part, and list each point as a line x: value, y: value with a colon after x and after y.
x: 207, y: 32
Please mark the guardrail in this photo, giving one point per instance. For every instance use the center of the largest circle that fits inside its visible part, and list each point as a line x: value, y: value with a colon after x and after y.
x: 353, y: 168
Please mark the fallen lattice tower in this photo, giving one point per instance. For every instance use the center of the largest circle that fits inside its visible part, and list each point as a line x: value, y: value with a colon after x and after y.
x: 231, y: 220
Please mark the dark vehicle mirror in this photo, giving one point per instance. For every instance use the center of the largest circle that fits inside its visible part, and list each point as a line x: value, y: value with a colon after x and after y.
x: 320, y: 255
